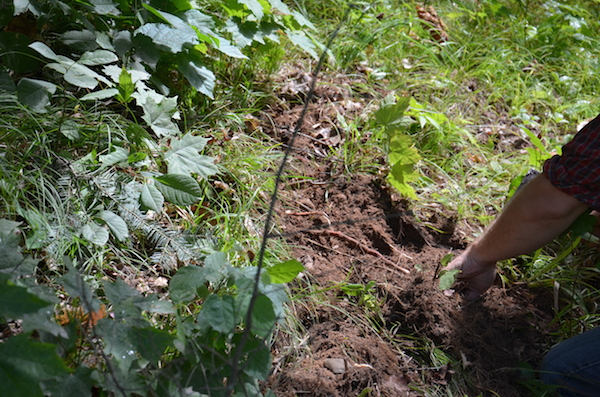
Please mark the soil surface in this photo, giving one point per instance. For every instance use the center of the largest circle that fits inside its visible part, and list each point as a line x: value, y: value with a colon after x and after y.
x: 395, y: 337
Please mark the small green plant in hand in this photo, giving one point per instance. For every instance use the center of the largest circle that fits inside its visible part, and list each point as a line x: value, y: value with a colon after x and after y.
x: 447, y: 277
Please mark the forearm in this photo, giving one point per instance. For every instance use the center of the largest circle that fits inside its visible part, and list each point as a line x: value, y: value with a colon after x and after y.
x: 538, y: 213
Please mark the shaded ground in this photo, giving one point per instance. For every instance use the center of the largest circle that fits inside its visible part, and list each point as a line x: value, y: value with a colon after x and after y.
x: 352, y: 229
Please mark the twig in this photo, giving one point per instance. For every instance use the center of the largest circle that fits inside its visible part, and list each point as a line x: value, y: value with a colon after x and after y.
x: 366, y: 249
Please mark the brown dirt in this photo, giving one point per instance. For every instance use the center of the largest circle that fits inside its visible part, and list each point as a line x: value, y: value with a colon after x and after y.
x: 351, y: 228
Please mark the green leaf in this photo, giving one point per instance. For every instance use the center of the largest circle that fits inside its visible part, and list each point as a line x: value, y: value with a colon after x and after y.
x: 70, y: 129
x: 402, y: 151
x: 399, y: 177
x: 285, y: 272
x: 179, y: 189
x: 300, y: 39
x: 172, y: 39
x: 585, y: 223
x: 80, y: 40
x: 202, y: 79
x: 151, y: 197
x: 392, y: 113
x: 116, y: 224
x: 77, y: 288
x: 15, y: 54
x: 258, y: 362
x: 105, y: 7
x: 6, y: 82
x: 118, y: 155
x: 126, y: 86
x: 16, y: 301
x: 100, y: 95
x: 35, y: 93
x: 219, y: 313
x: 98, y: 57
x: 7, y: 10
x: 78, y: 384
x: 150, y: 342
x: 255, y: 7
x: 184, y: 158
x: 185, y: 282
x: 24, y: 363
x: 95, y: 233
x: 263, y: 316
x: 448, y: 278
x: 158, y: 112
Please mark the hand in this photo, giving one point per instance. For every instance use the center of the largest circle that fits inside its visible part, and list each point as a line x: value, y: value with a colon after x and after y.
x: 477, y: 276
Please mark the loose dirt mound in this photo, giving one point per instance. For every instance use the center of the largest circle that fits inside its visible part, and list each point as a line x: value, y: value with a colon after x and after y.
x: 350, y: 229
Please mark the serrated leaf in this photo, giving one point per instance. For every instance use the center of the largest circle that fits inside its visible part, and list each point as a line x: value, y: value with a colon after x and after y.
x: 171, y: 38
x: 35, y: 93
x: 393, y: 113
x: 179, y: 189
x: 24, y: 363
x: 285, y: 272
x: 158, y: 112
x: 116, y: 224
x: 447, y: 278
x: 263, y: 316
x: 95, y: 233
x: 16, y: 301
x: 399, y: 177
x: 78, y: 384
x: 126, y: 86
x: 151, y: 197
x: 184, y: 158
x: 42, y: 321
x: 183, y: 285
x: 202, y: 79
x: 258, y: 363
x: 402, y: 150
x: 98, y: 57
x: 255, y: 8
x: 219, y: 313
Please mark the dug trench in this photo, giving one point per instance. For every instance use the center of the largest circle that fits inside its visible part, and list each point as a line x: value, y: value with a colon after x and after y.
x: 400, y: 335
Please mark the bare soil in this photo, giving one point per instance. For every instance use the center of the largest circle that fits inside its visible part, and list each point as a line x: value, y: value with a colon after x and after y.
x: 350, y: 228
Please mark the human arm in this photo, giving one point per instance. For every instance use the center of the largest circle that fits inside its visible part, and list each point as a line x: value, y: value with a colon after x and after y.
x: 535, y: 215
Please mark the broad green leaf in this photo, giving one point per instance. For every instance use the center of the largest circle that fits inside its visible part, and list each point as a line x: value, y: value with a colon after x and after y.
x: 158, y: 112
x: 392, y: 113
x: 100, y: 95
x: 35, y: 93
x: 118, y: 341
x: 6, y: 82
x: 82, y: 76
x: 179, y: 189
x: 10, y: 245
x: 98, y: 57
x: 151, y: 342
x: 42, y: 321
x: 95, y: 233
x: 400, y: 175
x: 285, y: 272
x: 78, y: 384
x: 219, y: 313
x: 151, y: 197
x: 304, y: 42
x: 118, y: 155
x: 70, y: 129
x: 184, y: 158
x: 24, y: 363
x: 171, y: 38
x: 258, y: 362
x: 263, y: 316
x: 105, y: 7
x: 44, y: 50
x: 202, y: 79
x: 16, y: 301
x: 243, y: 34
x: 255, y: 7
x: 183, y: 285
x: 77, y: 288
x: 447, y: 278
x: 81, y: 40
x: 402, y: 150
x: 585, y: 223
x: 116, y: 224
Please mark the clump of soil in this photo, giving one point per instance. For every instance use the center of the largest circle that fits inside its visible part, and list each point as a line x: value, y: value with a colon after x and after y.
x: 350, y: 228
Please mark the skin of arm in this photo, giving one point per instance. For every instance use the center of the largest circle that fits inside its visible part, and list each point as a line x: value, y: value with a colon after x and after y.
x: 535, y: 215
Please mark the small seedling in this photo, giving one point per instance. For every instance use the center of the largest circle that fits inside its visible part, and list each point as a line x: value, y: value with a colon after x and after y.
x: 447, y: 276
